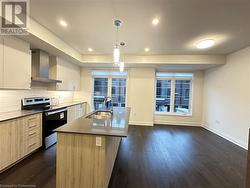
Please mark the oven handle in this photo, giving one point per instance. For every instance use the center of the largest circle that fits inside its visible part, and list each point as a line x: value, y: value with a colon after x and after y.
x: 55, y: 112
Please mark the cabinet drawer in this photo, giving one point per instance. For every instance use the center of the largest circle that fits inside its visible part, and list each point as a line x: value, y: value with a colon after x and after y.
x: 32, y: 122
x: 33, y: 146
x: 33, y: 133
x: 33, y: 142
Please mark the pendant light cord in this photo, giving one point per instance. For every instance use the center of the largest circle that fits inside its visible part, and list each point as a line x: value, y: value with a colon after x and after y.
x: 116, y: 40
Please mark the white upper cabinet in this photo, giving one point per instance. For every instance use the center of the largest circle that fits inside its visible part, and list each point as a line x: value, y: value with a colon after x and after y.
x: 67, y: 72
x: 16, y: 69
x: 1, y: 61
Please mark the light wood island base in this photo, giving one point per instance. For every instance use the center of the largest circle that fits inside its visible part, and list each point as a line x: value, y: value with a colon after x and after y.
x: 82, y: 164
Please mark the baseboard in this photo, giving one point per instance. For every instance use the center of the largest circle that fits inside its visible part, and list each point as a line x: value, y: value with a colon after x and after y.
x: 196, y: 124
x: 227, y: 137
x: 141, y: 123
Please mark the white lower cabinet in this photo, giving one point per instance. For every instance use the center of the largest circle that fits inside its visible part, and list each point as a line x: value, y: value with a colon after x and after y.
x: 75, y: 112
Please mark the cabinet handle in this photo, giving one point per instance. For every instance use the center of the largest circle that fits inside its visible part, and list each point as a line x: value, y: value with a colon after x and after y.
x: 31, y: 134
x: 32, y: 144
x: 31, y: 126
x: 31, y: 119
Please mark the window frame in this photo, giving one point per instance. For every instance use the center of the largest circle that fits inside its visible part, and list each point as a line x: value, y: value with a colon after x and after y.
x: 109, y: 76
x: 156, y: 95
x: 172, y: 95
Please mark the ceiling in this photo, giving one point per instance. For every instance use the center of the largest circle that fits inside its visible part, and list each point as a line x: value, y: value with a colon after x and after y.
x: 182, y: 24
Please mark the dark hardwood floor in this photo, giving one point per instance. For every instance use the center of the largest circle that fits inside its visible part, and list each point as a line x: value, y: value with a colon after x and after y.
x: 153, y: 157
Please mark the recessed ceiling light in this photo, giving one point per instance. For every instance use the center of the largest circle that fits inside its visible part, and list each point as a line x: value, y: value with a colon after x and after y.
x: 205, y: 44
x: 146, y: 49
x: 155, y: 21
x: 90, y: 49
x: 63, y: 23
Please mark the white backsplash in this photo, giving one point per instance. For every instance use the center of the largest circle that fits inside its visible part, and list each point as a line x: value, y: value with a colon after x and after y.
x: 10, y: 100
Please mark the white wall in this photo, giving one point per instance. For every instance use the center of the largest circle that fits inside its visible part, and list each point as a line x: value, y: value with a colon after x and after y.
x: 196, y: 118
x: 10, y: 100
x: 227, y: 98
x: 141, y: 91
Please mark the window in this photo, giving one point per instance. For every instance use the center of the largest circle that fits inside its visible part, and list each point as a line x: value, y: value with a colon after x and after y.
x: 119, y: 92
x: 109, y: 83
x: 163, y: 95
x: 173, y: 91
x: 181, y: 99
x: 100, y: 92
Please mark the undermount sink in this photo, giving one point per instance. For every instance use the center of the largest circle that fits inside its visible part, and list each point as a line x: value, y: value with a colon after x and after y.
x: 100, y: 115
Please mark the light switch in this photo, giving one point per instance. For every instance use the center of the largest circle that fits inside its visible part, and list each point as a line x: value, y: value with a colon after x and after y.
x: 98, y: 141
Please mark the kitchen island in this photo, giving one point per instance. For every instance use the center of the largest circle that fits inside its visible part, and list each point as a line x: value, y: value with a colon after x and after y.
x: 87, y: 148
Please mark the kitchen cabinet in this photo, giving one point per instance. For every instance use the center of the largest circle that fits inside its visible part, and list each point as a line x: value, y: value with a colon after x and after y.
x: 76, y: 111
x: 33, y: 133
x: 15, y: 63
x: 18, y: 138
x: 67, y: 72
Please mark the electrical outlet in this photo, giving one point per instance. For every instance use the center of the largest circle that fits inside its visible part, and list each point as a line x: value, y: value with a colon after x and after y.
x: 98, y: 141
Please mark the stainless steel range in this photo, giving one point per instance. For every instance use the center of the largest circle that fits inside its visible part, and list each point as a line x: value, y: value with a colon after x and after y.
x: 52, y: 117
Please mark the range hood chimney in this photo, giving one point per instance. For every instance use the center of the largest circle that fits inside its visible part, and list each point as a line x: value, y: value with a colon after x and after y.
x: 40, y: 67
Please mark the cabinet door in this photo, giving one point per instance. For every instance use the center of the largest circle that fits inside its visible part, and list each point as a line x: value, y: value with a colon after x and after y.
x: 71, y: 113
x: 4, y: 144
x: 81, y: 110
x: 9, y: 143
x: 69, y: 74
x: 75, y: 112
x: 1, y: 61
x: 18, y: 138
x: 17, y: 63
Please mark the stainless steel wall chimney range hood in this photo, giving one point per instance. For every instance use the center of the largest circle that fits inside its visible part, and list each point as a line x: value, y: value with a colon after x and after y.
x: 40, y: 67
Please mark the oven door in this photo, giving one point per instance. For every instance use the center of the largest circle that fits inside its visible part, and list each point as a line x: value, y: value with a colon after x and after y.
x: 52, y: 120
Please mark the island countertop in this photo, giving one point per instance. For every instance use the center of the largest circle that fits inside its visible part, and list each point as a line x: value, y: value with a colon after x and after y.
x: 116, y: 125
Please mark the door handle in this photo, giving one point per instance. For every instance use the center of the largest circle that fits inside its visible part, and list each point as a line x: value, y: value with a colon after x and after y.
x: 55, y: 112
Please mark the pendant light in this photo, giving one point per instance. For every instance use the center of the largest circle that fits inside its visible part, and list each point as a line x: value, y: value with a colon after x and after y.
x: 116, y: 51
x: 116, y: 55
x: 121, y: 66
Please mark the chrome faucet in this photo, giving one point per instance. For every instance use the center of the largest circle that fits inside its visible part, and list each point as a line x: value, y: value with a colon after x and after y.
x: 108, y: 103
